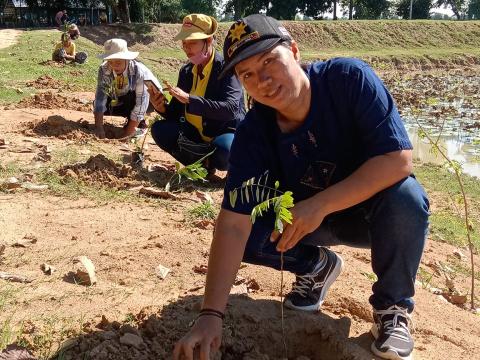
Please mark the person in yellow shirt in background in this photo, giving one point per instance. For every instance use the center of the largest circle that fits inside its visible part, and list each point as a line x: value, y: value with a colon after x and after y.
x: 204, y: 111
x: 66, y: 51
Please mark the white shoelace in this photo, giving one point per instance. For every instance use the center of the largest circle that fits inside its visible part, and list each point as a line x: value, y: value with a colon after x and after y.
x: 395, y: 328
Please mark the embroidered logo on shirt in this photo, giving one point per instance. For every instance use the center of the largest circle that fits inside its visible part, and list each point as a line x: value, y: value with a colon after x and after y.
x: 318, y: 175
x: 295, y: 150
x: 311, y: 138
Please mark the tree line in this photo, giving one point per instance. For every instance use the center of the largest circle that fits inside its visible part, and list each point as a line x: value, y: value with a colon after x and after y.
x: 174, y: 10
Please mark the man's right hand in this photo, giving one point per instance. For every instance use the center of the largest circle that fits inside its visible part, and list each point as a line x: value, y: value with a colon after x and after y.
x: 203, y: 339
x: 100, y: 132
x: 158, y: 100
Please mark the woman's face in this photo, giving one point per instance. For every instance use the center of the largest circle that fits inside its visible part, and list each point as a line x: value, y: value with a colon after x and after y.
x: 193, y: 47
x: 117, y: 65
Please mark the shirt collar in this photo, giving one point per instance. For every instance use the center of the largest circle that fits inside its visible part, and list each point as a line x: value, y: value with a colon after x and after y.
x: 207, y: 68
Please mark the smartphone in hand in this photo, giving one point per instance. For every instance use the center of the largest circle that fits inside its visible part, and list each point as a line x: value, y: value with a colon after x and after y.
x: 152, y: 86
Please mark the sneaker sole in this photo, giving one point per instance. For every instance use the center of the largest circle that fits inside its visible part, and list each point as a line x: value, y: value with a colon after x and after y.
x: 385, y: 355
x: 333, y: 276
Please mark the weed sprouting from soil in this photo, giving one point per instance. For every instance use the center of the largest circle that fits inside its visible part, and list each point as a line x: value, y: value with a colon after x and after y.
x: 203, y: 211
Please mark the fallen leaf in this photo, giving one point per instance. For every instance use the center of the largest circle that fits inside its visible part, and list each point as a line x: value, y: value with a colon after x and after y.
x: 158, y: 193
x: 239, y: 289
x: 459, y: 254
x: 48, y: 269
x: 14, y: 277
x: 26, y: 242
x: 455, y: 298
x: 203, y: 196
x: 202, y: 269
x: 252, y: 285
x: 87, y: 277
x: 205, y: 224
x: 15, y: 352
x: 162, y: 271
x: 34, y: 187
x: 239, y: 280
x: 11, y: 183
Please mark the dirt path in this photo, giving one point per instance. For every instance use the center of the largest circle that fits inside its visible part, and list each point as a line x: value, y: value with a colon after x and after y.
x: 8, y: 37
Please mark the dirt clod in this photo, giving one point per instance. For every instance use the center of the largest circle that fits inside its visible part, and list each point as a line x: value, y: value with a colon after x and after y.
x: 101, y: 170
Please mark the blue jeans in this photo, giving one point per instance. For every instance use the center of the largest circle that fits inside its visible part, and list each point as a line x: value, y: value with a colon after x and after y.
x: 166, y: 133
x: 393, y: 223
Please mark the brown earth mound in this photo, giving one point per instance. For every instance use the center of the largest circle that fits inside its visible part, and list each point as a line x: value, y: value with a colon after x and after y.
x: 45, y: 82
x: 247, y: 334
x: 100, y: 170
x: 49, y: 100
x: 58, y: 126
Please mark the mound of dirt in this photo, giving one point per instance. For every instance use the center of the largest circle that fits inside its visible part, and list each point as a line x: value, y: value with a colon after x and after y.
x: 49, y: 100
x: 45, y: 82
x: 58, y: 126
x: 100, y: 170
x: 247, y: 334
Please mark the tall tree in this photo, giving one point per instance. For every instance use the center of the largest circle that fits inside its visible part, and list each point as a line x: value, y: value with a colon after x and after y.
x: 420, y: 9
x: 370, y: 9
x: 241, y: 8
x: 207, y: 7
x: 283, y: 9
x: 474, y: 9
x: 457, y: 6
x: 315, y: 8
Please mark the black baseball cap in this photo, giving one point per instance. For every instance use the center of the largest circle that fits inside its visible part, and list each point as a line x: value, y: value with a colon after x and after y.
x: 250, y: 36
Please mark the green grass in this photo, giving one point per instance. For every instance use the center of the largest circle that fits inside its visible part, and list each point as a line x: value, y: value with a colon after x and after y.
x: 8, y: 332
x: 21, y: 63
x: 447, y: 223
x: 203, y: 211
x: 10, y: 169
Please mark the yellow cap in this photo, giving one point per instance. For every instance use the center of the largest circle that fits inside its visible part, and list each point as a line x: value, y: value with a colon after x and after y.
x: 197, y: 27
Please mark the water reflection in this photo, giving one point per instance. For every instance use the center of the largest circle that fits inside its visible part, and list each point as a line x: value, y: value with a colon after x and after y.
x: 459, y: 147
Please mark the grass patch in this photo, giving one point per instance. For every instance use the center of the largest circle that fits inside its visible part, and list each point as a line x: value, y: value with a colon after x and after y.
x: 76, y: 189
x: 8, y: 333
x: 10, y: 169
x: 463, y: 267
x: 446, y: 221
x: 22, y: 62
x: 204, y: 211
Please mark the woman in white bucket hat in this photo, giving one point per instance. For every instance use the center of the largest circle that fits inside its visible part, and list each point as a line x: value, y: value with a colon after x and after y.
x: 120, y: 89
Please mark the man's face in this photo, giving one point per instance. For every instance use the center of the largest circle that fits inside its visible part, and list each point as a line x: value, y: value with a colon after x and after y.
x: 117, y: 65
x: 271, y: 78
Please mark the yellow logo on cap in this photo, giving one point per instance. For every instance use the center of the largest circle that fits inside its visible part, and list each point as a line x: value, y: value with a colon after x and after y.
x: 237, y: 32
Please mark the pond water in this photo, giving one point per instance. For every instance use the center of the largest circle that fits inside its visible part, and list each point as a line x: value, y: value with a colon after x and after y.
x: 447, y: 106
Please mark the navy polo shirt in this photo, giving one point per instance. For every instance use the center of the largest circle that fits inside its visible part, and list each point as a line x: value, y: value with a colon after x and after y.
x: 352, y: 118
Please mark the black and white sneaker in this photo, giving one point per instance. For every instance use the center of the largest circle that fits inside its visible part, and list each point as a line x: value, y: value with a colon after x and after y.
x: 392, y: 334
x: 309, y: 290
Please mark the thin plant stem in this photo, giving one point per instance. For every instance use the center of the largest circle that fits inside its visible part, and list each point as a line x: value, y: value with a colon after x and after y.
x: 285, y: 350
x: 465, y: 211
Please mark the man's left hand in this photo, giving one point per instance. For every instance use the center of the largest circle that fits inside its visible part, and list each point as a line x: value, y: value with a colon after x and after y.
x: 306, y: 219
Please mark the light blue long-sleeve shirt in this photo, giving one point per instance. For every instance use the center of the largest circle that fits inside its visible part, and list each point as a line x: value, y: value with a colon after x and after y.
x: 136, y: 73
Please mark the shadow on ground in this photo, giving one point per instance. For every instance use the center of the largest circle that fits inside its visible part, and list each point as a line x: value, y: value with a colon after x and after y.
x: 252, y: 330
